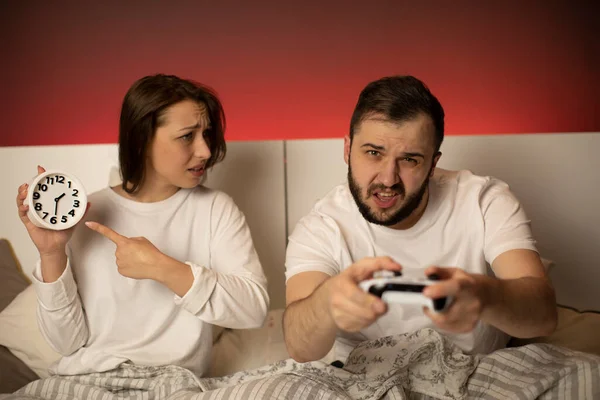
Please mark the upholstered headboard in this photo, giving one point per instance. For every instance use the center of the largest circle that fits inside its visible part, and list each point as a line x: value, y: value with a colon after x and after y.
x: 276, y: 182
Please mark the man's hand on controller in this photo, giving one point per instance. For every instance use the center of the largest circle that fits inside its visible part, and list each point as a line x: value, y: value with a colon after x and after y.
x: 351, y: 308
x: 468, y: 299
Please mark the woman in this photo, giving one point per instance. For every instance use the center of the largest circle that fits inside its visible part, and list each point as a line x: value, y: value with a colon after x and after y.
x: 163, y: 258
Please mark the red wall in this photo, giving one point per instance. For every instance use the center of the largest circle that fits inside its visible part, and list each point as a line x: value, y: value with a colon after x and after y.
x: 294, y: 71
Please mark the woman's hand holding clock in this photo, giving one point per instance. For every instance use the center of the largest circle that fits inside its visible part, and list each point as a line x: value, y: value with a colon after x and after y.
x: 51, y: 244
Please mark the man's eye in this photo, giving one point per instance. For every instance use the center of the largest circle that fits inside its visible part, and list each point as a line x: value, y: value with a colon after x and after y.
x: 372, y: 152
x: 410, y: 160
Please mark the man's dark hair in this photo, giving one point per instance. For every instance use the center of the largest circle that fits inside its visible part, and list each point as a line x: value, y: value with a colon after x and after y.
x: 398, y: 99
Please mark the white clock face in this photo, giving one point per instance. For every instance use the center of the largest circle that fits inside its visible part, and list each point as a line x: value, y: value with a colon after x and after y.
x: 56, y: 200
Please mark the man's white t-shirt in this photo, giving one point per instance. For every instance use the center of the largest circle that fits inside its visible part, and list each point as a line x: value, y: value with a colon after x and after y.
x: 469, y: 220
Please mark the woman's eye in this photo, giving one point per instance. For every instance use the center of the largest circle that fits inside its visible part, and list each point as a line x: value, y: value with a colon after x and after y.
x: 186, y: 137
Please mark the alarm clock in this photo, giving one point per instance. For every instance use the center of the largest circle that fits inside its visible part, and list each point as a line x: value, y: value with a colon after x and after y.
x: 57, y: 200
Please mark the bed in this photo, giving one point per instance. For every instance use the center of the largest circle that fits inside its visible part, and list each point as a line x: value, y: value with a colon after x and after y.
x: 254, y: 363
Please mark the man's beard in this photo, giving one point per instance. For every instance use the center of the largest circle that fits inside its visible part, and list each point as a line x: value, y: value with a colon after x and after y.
x: 412, y: 202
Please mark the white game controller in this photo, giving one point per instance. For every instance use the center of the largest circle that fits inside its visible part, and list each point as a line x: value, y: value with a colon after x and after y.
x: 405, y: 287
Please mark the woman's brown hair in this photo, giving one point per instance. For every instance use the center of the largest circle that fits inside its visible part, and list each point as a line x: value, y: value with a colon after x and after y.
x: 141, y: 114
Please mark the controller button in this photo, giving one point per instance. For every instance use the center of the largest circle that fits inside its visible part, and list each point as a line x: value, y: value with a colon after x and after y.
x: 376, y: 291
x: 434, y: 277
x: 439, y: 304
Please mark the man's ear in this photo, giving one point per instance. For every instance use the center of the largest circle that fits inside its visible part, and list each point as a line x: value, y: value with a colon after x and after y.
x: 347, y: 144
x: 436, y: 158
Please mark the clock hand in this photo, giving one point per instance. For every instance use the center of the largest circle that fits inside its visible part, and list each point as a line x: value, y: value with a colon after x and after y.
x: 56, y: 202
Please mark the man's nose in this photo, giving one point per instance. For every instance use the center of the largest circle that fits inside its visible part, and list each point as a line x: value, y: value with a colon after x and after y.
x: 389, y: 174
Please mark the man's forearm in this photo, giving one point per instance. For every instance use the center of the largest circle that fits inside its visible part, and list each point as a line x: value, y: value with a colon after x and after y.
x: 308, y: 327
x: 523, y: 308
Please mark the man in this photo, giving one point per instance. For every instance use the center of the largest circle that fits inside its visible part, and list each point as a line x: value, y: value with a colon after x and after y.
x: 399, y: 211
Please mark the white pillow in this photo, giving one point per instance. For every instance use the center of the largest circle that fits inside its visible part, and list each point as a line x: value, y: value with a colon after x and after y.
x: 245, y: 349
x: 21, y: 335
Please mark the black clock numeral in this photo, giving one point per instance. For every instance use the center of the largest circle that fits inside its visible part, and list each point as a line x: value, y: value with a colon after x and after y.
x: 75, y: 191
x: 49, y: 180
x: 60, y: 179
x: 72, y: 213
x: 38, y: 206
x: 36, y: 195
x: 53, y: 220
x: 69, y: 184
x: 75, y: 203
x: 45, y: 215
x: 63, y: 219
x: 42, y: 187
